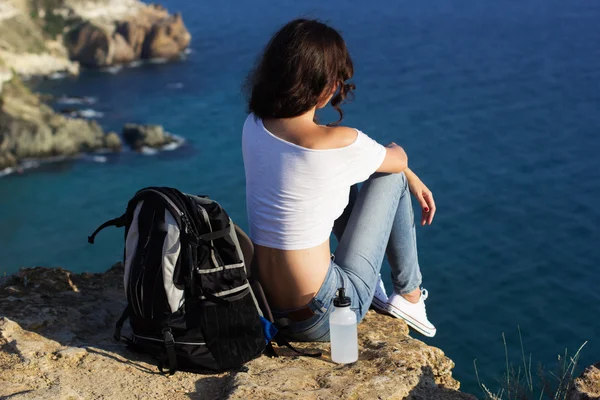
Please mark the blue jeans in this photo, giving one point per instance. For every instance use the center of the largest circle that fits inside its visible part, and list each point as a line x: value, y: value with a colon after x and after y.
x: 378, y: 221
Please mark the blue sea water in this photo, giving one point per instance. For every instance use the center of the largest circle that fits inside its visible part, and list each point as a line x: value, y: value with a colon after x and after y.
x: 496, y: 103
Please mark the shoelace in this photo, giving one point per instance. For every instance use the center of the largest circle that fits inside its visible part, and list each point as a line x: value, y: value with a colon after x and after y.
x: 424, y: 296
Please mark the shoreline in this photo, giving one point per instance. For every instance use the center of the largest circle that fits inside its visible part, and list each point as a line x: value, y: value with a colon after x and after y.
x: 104, y: 35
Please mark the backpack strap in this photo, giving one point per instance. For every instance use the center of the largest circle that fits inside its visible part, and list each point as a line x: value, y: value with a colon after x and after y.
x: 270, y: 351
x: 120, y: 322
x: 118, y: 222
x: 283, y: 342
x: 171, y: 358
x: 207, y: 237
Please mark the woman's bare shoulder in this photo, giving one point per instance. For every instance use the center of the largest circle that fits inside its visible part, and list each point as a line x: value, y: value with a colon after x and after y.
x: 339, y: 136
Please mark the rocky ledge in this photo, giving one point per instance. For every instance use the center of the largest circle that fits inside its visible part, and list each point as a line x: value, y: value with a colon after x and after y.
x: 587, y: 386
x: 55, y: 342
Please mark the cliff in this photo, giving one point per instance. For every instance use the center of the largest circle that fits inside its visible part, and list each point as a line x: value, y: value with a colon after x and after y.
x: 40, y: 37
x: 29, y: 128
x: 44, y: 37
x: 55, y: 342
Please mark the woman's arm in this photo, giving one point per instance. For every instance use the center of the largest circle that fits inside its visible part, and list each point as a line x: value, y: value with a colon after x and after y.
x: 423, y: 194
x: 395, y: 160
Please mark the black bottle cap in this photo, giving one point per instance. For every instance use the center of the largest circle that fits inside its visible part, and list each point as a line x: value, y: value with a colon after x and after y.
x: 342, y: 300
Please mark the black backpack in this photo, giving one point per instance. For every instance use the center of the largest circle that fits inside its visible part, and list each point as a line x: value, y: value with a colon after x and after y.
x: 190, y: 303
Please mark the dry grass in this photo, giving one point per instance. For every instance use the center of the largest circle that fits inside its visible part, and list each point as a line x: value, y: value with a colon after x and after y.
x: 518, y: 383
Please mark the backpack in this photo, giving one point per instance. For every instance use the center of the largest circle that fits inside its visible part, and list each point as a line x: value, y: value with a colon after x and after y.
x: 189, y: 301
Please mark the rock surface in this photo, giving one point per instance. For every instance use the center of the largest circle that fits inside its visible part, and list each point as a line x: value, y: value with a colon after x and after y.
x: 166, y: 38
x: 139, y: 136
x: 55, y: 330
x: 97, y: 33
x: 42, y: 37
x: 150, y: 33
x: 28, y: 44
x: 90, y: 45
x: 587, y: 386
x: 31, y: 129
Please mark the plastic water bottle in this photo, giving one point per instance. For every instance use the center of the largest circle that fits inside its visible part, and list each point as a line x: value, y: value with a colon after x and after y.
x: 342, y: 330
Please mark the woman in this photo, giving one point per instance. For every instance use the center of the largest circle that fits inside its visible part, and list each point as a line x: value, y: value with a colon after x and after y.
x: 301, y: 185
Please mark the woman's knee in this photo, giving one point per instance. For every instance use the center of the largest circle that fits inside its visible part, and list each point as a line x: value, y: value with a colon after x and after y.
x: 395, y: 180
x: 387, y: 183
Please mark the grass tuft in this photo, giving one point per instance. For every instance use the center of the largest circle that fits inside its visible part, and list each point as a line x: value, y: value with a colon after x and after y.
x: 518, y: 383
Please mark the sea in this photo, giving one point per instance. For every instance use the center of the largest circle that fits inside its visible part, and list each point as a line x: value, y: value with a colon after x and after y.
x: 497, y: 104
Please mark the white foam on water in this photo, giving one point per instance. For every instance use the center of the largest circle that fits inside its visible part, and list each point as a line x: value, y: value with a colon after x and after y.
x: 135, y: 64
x: 76, y: 100
x: 57, y: 75
x: 22, y: 166
x: 158, y: 61
x: 90, y: 113
x: 6, y: 171
x: 171, y: 146
x: 187, y: 51
x: 95, y: 158
x: 112, y: 70
x: 28, y: 164
x: 148, y: 151
x: 99, y: 159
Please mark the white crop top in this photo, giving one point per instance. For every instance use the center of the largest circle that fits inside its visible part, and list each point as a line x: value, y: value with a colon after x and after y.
x: 294, y: 194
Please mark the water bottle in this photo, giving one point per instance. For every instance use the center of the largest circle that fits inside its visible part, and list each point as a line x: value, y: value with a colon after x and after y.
x: 342, y: 330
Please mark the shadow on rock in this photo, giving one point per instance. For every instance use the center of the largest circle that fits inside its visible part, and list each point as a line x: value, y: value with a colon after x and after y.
x: 428, y: 389
x: 56, y: 342
x: 72, y: 309
x: 213, y: 388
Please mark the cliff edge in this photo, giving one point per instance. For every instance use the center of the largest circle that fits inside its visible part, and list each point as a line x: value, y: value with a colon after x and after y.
x: 55, y: 342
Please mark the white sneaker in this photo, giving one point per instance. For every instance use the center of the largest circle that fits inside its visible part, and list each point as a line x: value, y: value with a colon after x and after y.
x: 414, y: 314
x: 380, y: 297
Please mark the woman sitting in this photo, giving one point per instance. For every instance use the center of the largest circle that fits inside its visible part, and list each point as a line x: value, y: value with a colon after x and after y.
x: 301, y: 184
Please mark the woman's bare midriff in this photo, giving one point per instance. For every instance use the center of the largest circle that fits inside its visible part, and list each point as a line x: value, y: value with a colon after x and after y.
x: 291, y: 278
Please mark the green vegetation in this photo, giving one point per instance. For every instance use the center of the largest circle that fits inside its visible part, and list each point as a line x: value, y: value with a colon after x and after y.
x: 518, y: 383
x: 53, y: 23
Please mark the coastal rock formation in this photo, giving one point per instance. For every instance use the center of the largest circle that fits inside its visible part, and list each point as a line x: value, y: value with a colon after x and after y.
x: 55, y: 342
x: 150, y: 33
x: 167, y: 38
x: 113, y: 142
x: 52, y: 38
x: 29, y: 44
x: 43, y: 37
x: 5, y: 74
x: 31, y: 129
x: 90, y: 45
x: 154, y: 136
x: 587, y: 386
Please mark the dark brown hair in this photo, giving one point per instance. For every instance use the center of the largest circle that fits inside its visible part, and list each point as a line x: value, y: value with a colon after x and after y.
x: 302, y: 62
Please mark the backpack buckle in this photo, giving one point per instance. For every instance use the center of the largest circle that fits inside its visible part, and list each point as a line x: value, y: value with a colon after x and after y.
x: 168, y: 337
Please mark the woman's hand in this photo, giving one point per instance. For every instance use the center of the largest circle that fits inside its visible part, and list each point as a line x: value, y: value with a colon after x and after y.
x: 423, y: 195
